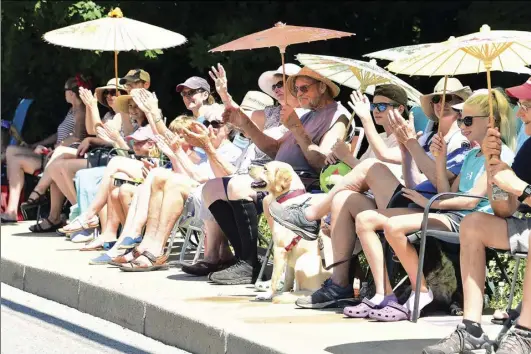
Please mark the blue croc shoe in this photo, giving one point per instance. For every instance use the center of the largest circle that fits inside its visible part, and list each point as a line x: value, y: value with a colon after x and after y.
x: 130, y: 242
x: 102, y: 259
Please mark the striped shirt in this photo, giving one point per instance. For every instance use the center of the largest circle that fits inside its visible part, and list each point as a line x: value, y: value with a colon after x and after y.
x: 66, y: 128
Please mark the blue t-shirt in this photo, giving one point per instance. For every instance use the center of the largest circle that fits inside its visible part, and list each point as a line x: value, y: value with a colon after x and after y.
x: 473, y: 168
x: 522, y: 169
x: 521, y: 137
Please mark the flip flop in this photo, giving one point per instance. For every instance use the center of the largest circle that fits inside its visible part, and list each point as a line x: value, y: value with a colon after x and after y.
x: 157, y: 263
x: 393, y: 312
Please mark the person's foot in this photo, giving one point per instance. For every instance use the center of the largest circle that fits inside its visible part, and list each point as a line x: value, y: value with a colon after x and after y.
x: 82, y: 222
x: 239, y: 273
x: 203, y: 268
x: 8, y: 218
x: 292, y: 217
x: 460, y: 341
x: 516, y: 341
x: 330, y: 295
x: 82, y: 236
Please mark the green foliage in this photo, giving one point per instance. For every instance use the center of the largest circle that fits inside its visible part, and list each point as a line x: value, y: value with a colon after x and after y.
x: 501, y: 299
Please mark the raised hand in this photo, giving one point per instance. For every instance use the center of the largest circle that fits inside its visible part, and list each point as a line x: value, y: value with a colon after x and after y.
x: 438, y: 147
x: 220, y: 80
x: 404, y: 130
x: 163, y: 146
x: 145, y: 100
x: 111, y: 132
x: 197, y: 135
x: 361, y: 105
x: 88, y: 98
x: 102, y: 134
x: 288, y: 117
x: 235, y: 117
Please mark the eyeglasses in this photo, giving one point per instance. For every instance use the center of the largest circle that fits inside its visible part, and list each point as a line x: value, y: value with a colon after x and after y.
x: 468, y: 120
x: 278, y: 85
x: 438, y: 98
x: 303, y: 88
x: 190, y: 93
x: 216, y: 124
x: 382, y: 106
x: 522, y: 106
x: 67, y: 89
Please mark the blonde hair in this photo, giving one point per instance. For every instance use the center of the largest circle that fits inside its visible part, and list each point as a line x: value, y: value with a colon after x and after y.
x: 503, y: 114
x: 182, y: 121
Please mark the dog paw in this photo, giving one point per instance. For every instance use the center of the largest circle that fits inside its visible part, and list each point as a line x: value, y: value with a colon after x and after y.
x: 262, y: 285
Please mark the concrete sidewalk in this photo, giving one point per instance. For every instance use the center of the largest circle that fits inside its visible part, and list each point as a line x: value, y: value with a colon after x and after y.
x: 192, y: 314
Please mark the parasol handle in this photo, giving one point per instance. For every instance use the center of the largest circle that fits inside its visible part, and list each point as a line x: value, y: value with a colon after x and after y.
x: 282, y: 51
x: 489, y: 87
x: 116, y: 71
x: 349, y: 124
x: 443, y: 102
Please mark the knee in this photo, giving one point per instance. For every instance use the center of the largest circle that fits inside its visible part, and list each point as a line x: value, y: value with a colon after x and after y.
x: 158, y: 181
x: 115, y: 195
x: 471, y: 227
x: 375, y: 169
x: 233, y: 190
x: 339, y: 200
x: 125, y: 191
x: 365, y: 220
x: 211, y: 190
x: 11, y: 151
x: 391, y: 229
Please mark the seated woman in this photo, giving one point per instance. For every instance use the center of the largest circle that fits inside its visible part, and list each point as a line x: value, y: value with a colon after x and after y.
x: 62, y: 171
x: 30, y: 159
x: 398, y: 222
x: 88, y: 219
x: 304, y: 219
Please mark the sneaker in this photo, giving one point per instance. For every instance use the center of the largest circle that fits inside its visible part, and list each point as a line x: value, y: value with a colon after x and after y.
x: 460, y: 341
x: 516, y: 341
x: 330, y: 295
x: 292, y: 218
x: 239, y: 273
x: 203, y: 268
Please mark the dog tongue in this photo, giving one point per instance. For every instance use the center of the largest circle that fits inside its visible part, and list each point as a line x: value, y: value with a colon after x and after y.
x: 258, y: 184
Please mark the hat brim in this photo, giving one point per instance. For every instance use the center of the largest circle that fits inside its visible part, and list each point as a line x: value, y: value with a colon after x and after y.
x: 182, y: 86
x: 334, y: 89
x: 267, y: 80
x: 99, y: 93
x: 127, y: 79
x: 522, y: 92
x: 121, y: 104
x: 427, y: 108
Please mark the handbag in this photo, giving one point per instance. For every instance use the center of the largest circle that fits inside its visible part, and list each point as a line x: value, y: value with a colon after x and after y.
x: 99, y: 157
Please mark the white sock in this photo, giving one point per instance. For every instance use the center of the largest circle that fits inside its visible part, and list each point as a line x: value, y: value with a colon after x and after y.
x: 377, y: 299
x: 425, y: 299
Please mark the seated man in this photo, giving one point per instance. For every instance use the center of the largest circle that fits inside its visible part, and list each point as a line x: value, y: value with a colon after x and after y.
x: 500, y: 231
x: 305, y: 147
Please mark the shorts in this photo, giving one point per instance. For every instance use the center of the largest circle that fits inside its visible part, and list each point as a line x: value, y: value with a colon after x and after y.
x: 518, y: 231
x: 454, y: 217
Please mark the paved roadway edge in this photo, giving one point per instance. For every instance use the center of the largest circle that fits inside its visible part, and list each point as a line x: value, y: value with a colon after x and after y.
x: 168, y: 327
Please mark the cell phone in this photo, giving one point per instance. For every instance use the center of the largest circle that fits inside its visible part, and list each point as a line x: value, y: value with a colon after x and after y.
x: 118, y: 182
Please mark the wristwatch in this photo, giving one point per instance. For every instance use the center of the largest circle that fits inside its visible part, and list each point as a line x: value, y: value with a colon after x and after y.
x: 525, y: 194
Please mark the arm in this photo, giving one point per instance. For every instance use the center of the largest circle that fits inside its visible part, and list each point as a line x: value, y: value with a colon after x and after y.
x: 504, y: 177
x: 190, y: 168
x: 265, y: 143
x: 79, y: 119
x: 463, y: 203
x: 47, y: 141
x: 408, y: 168
x: 439, y: 149
x: 425, y: 164
x: 220, y: 167
x: 92, y: 114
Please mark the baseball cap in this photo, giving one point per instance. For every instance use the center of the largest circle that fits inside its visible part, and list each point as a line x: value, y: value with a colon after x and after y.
x: 141, y: 134
x: 522, y: 92
x: 194, y: 83
x: 393, y: 92
x: 135, y: 75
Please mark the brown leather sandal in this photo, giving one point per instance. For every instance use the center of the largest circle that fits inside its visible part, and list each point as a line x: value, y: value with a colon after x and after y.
x: 157, y: 263
x: 125, y: 258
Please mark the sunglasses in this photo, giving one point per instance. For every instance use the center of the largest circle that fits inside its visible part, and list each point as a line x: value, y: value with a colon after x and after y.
x: 438, y: 98
x: 382, y: 106
x: 190, y: 93
x: 112, y: 92
x: 216, y: 124
x: 467, y: 121
x: 278, y: 85
x: 303, y: 88
x: 522, y: 106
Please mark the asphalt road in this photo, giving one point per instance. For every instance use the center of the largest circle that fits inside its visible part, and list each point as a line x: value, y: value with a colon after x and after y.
x: 30, y: 324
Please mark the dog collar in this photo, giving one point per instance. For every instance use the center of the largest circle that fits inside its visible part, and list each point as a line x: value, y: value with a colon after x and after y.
x: 290, y: 195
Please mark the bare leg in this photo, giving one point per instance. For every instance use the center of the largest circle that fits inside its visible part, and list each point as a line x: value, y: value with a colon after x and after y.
x: 114, y: 210
x: 477, y: 231
x: 65, y: 177
x: 346, y: 205
x: 525, y: 315
x: 56, y: 205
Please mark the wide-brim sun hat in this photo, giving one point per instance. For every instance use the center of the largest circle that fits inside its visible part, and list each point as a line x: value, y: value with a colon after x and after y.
x: 267, y: 79
x: 121, y: 104
x: 334, y: 89
x: 453, y: 87
x: 111, y: 85
x: 256, y: 101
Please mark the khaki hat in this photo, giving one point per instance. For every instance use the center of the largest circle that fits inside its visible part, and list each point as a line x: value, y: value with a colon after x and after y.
x: 256, y: 101
x: 453, y: 87
x: 121, y: 104
x: 135, y: 75
x: 111, y: 85
x: 267, y: 79
x: 334, y: 89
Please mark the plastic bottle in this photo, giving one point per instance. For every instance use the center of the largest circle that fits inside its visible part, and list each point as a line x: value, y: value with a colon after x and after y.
x: 498, y: 193
x: 356, y: 287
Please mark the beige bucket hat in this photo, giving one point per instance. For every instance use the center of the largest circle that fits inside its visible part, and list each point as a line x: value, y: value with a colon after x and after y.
x: 111, y: 85
x: 334, y: 89
x: 453, y: 87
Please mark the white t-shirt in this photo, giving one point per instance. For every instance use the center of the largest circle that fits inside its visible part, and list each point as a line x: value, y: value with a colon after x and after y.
x: 390, y: 142
x: 227, y: 151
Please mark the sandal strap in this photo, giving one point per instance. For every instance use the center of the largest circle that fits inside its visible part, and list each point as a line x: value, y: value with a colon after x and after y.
x: 150, y: 256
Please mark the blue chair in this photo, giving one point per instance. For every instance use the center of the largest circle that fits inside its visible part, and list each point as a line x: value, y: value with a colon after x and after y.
x: 421, y: 120
x: 20, y: 117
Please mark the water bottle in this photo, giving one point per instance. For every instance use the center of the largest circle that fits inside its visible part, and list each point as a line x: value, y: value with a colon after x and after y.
x: 499, y: 194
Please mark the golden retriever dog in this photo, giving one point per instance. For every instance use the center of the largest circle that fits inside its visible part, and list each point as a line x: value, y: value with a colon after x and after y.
x: 297, y: 271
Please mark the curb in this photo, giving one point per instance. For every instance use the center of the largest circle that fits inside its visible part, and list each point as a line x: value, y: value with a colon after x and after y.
x: 168, y: 327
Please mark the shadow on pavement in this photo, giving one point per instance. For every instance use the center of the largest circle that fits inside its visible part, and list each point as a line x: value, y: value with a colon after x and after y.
x: 402, y: 346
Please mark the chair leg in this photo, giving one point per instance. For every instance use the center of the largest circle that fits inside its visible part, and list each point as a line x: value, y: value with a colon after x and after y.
x: 513, y: 284
x: 415, y: 315
x: 169, y: 246
x: 198, y: 252
x: 266, y: 259
x: 185, y: 244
